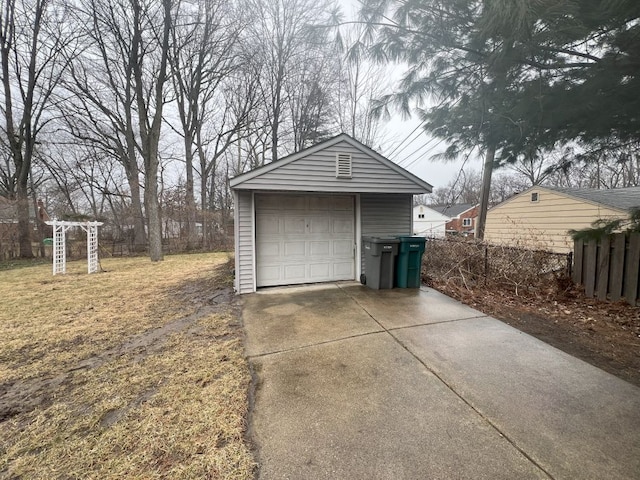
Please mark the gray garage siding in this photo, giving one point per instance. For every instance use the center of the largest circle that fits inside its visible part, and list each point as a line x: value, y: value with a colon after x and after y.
x: 316, y: 172
x: 385, y: 215
x: 244, y: 236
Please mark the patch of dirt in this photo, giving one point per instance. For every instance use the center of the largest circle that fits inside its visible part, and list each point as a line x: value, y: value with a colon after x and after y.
x: 207, y: 294
x: 603, y: 334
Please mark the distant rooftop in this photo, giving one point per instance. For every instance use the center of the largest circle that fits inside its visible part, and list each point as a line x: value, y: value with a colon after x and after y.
x: 452, y: 211
x: 622, y: 198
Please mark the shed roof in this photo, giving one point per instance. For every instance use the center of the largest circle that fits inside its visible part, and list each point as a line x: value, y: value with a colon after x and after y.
x: 311, y: 169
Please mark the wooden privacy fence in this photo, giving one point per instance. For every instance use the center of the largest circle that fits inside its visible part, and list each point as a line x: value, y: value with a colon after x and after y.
x: 609, y: 268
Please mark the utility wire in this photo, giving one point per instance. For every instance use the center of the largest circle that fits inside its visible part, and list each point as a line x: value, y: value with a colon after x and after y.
x: 404, y: 140
x: 423, y: 153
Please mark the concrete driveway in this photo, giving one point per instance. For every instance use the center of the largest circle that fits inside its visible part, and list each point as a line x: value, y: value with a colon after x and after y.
x: 352, y: 383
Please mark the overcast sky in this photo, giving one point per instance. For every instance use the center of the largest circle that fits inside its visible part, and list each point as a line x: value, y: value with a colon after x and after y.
x: 413, y: 151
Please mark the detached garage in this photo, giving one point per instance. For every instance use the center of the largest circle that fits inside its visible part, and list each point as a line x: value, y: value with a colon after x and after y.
x: 301, y: 219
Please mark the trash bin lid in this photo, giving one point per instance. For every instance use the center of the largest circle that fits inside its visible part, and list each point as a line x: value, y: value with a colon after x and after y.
x: 387, y: 240
x: 411, y: 238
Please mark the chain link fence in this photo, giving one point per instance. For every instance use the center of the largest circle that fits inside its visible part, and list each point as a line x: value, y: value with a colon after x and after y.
x: 472, y: 264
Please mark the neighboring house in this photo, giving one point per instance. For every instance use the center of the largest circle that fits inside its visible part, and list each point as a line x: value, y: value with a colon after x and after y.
x: 540, y: 217
x: 176, y: 228
x: 428, y: 222
x: 463, y: 218
x: 301, y: 219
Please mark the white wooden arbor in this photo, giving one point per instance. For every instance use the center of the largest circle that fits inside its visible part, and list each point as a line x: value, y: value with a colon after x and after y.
x: 60, y: 244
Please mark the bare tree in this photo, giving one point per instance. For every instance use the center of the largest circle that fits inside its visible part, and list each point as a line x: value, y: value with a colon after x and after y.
x: 32, y: 34
x: 362, y: 81
x: 311, y: 98
x: 149, y: 58
x: 203, y: 54
x: 101, y: 110
x: 282, y: 31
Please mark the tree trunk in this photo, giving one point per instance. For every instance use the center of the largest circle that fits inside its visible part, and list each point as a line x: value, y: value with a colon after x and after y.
x: 150, y: 128
x: 152, y: 206
x: 24, y: 225
x: 486, y: 187
x: 190, y: 200
x: 139, y: 231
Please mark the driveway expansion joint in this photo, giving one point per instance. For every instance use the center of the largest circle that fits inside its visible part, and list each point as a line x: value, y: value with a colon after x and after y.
x: 303, y: 347
x: 450, y: 387
x: 404, y: 327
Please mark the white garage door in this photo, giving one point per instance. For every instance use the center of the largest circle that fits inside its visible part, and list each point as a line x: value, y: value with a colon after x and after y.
x: 304, y: 239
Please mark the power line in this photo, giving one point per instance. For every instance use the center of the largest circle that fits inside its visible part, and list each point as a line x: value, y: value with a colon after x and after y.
x: 404, y: 140
x: 424, y: 153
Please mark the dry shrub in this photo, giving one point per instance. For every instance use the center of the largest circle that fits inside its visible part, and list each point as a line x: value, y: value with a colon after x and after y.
x: 469, y: 264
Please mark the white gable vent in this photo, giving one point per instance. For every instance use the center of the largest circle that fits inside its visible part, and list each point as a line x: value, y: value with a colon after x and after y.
x: 343, y: 165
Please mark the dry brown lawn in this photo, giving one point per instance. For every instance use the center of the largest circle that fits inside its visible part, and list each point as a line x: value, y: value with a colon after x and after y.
x: 135, y: 372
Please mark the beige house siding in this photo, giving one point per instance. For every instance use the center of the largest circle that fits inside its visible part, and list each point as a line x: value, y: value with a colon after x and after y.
x: 543, y: 224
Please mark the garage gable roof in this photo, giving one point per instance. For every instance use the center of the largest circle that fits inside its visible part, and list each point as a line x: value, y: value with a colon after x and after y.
x: 314, y: 170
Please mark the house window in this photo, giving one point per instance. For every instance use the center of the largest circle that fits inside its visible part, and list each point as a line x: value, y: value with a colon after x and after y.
x: 421, y: 215
x: 343, y: 165
x: 534, y: 197
x: 466, y: 222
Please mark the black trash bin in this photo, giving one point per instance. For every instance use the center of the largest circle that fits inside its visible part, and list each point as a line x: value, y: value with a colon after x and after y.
x: 379, y: 261
x: 409, y: 264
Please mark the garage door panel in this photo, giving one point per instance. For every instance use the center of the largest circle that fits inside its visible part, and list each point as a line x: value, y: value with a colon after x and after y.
x: 268, y: 249
x: 295, y: 272
x: 319, y: 203
x: 302, y: 239
x: 342, y: 248
x: 319, y: 225
x: 294, y: 225
x: 268, y: 224
x: 268, y: 274
x: 293, y: 202
x: 342, y: 225
x: 269, y: 202
x: 294, y: 248
x: 342, y: 203
x: 319, y: 248
x: 319, y: 271
x: 344, y: 270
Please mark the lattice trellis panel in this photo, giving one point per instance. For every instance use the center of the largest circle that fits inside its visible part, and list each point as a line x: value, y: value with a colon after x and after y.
x: 92, y: 248
x: 59, y: 249
x: 60, y: 244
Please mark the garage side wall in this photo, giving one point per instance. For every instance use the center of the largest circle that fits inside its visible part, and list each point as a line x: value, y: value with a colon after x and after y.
x: 383, y: 215
x: 244, y: 242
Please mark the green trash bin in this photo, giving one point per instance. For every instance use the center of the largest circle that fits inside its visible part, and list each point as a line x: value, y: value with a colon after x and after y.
x: 379, y: 262
x: 409, y: 263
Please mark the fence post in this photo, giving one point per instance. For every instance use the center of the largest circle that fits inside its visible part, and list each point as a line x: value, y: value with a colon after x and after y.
x: 591, y: 262
x: 570, y: 264
x: 602, y: 269
x: 578, y: 249
x: 632, y: 269
x: 618, y: 251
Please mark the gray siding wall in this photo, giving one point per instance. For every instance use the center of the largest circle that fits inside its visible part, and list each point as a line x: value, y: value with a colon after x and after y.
x: 384, y: 215
x: 244, y: 243
x: 317, y: 173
